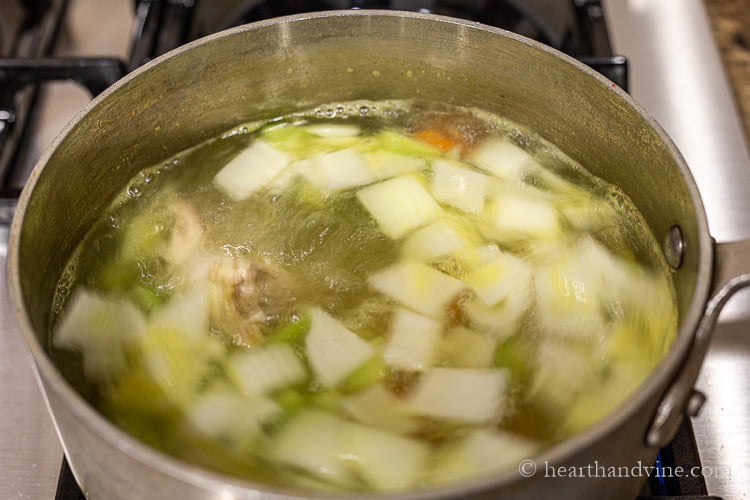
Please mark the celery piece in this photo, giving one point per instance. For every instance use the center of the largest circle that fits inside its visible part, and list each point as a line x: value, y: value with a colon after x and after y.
x: 399, y: 205
x: 370, y: 373
x: 402, y: 144
x: 587, y: 214
x: 289, y: 138
x: 293, y: 332
x: 517, y: 356
x: 251, y: 169
x: 328, y: 400
x: 178, y: 364
x: 460, y: 187
x: 387, y: 164
x: 464, y: 394
x: 118, y: 276
x: 417, y: 286
x: 146, y: 298
x: 266, y: 369
x: 333, y: 351
x: 135, y: 393
x: 290, y: 399
x: 303, y: 141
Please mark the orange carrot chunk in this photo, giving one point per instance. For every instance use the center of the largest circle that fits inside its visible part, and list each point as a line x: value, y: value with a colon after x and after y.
x: 438, y: 139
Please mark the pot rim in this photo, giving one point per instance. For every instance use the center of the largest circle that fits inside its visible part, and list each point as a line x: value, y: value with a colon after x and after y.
x: 666, y: 370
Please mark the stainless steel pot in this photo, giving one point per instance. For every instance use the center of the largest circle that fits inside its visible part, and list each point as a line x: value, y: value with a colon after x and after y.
x: 274, y: 67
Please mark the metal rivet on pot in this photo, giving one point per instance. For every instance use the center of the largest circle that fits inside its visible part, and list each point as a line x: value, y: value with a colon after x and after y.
x: 695, y: 403
x: 674, y: 247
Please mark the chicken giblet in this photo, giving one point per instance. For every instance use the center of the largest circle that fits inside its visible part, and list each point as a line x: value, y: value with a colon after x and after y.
x: 248, y: 298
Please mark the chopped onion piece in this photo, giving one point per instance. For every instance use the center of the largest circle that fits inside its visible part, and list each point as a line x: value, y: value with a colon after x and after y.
x: 497, y: 279
x: 186, y: 235
x: 417, y: 286
x: 465, y: 348
x: 250, y: 170
x: 399, y: 205
x: 333, y: 130
x: 459, y: 186
x: 266, y: 369
x: 337, y: 450
x: 187, y: 312
x: 483, y: 450
x: 333, y: 350
x: 379, y: 407
x: 480, y: 255
x: 565, y: 370
x: 524, y: 214
x: 312, y: 441
x: 102, y: 328
x: 503, y: 159
x: 464, y: 394
x: 223, y: 414
x: 288, y: 175
x: 336, y: 171
x: 385, y: 460
x: 501, y: 320
x: 570, y: 291
x: 412, y: 341
x: 438, y: 239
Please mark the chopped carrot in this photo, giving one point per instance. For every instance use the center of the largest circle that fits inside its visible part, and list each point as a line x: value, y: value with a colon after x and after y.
x: 438, y: 139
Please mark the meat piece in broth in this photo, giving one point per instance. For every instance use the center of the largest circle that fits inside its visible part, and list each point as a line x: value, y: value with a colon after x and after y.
x: 187, y: 233
x: 248, y: 297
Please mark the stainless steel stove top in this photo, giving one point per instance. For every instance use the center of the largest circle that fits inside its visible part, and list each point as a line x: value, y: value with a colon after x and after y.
x: 676, y: 74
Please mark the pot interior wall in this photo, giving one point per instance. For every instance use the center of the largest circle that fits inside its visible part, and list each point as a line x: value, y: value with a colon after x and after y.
x: 263, y: 71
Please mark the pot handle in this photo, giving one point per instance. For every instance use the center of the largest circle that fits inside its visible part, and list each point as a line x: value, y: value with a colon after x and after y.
x: 8, y: 200
x: 731, y: 273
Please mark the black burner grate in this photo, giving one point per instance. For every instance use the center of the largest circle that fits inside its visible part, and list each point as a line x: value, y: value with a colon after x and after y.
x: 67, y: 489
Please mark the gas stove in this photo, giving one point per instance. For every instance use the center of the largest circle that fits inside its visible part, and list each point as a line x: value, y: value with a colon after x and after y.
x: 671, y: 67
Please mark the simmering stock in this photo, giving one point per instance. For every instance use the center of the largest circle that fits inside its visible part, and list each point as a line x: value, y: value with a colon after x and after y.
x: 366, y: 297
